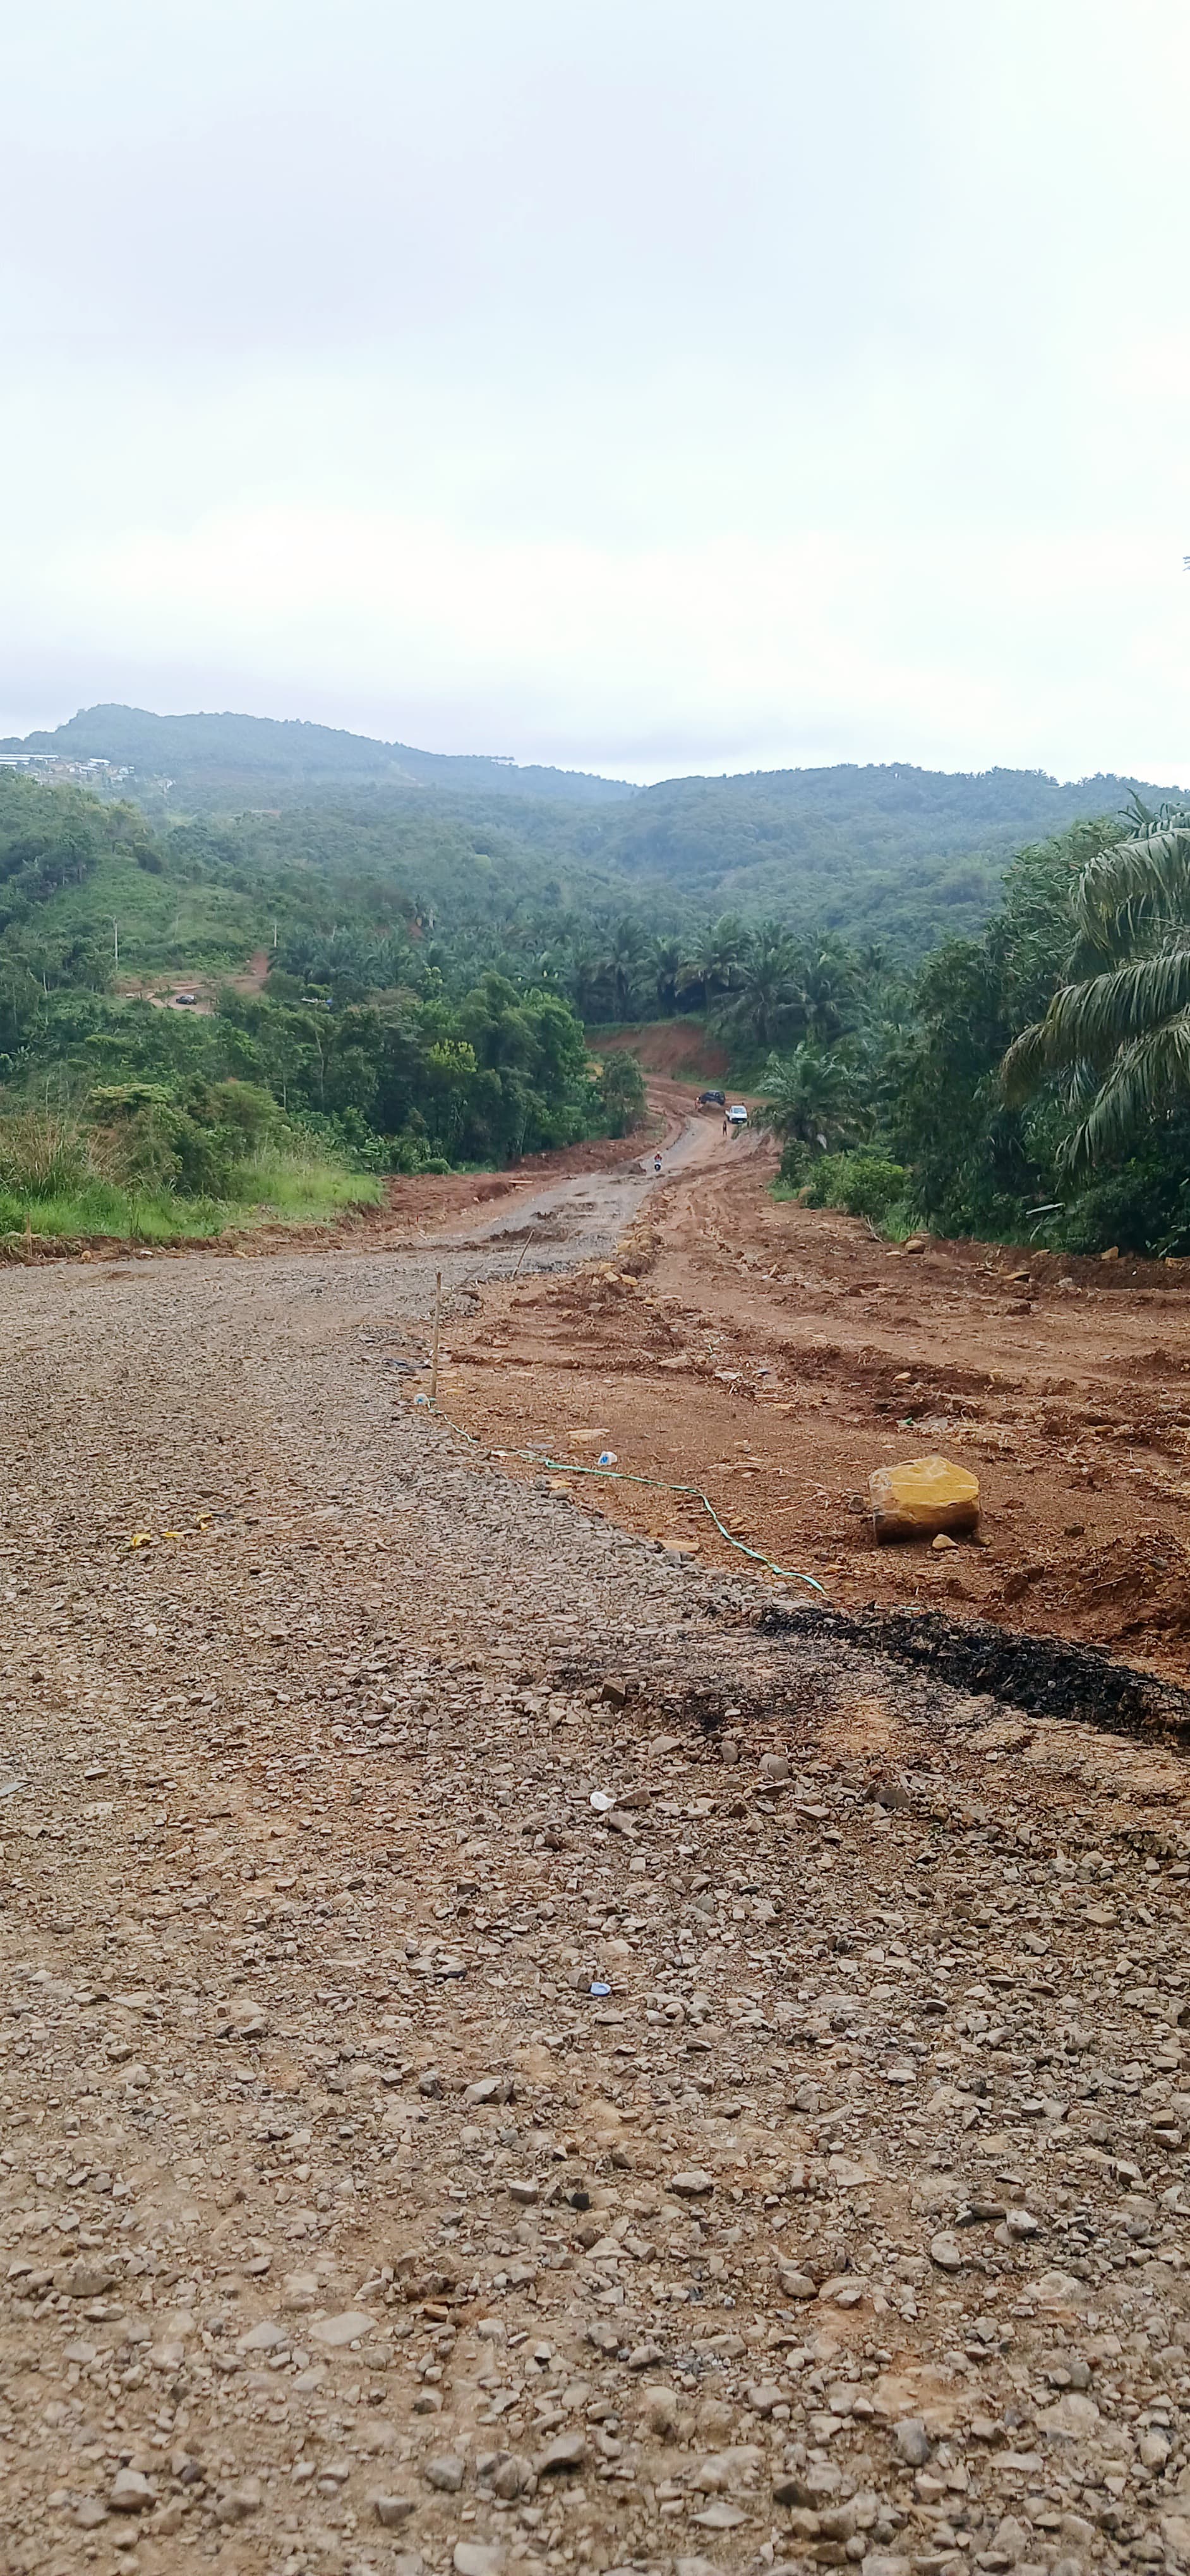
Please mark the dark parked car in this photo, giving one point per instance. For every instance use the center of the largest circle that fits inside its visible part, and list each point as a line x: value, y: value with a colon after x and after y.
x: 712, y: 1100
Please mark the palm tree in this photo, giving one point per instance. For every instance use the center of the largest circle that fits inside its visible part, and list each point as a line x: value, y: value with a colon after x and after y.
x: 1118, y: 1029
x: 763, y: 985
x: 811, y: 1097
x: 708, y: 969
x: 665, y: 967
x: 823, y: 990
x: 622, y: 963
x: 582, y: 976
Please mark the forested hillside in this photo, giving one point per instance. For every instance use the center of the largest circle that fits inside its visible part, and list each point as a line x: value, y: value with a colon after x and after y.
x: 155, y: 1076
x: 896, y: 854
x: 905, y: 855
x: 213, y: 760
x: 408, y: 985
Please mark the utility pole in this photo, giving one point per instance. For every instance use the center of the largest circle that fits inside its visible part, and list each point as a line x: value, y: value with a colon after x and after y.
x: 115, y: 936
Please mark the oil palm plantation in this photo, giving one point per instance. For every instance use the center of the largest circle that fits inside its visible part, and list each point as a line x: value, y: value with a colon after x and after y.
x: 623, y: 963
x: 812, y: 1097
x: 665, y: 962
x: 1116, y: 1036
x: 711, y: 961
x: 763, y: 987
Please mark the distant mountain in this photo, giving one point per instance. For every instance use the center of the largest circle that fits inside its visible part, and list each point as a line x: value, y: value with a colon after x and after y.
x: 892, y: 853
x: 883, y: 852
x: 216, y: 759
x: 723, y: 829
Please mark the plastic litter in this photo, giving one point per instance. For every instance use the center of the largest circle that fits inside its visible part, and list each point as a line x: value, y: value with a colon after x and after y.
x: 599, y: 1988
x: 601, y: 1801
x: 606, y: 1458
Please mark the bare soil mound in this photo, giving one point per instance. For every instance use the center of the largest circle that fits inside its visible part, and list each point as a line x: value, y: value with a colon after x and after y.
x: 676, y: 1047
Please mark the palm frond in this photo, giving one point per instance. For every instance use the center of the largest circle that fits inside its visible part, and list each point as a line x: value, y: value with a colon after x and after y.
x: 1093, y: 1018
x: 1025, y: 1065
x: 1146, y: 1076
x: 1131, y: 879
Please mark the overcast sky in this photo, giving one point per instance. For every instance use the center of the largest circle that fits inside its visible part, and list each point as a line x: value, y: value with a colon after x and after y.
x: 642, y: 385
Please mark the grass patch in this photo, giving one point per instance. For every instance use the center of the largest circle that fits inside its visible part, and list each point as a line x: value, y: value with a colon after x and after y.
x: 302, y: 1190
x: 269, y: 1187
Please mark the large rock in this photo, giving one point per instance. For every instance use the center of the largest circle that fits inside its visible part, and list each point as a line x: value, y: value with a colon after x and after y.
x: 922, y: 1497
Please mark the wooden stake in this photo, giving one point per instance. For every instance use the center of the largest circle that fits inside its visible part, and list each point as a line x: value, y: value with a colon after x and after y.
x: 534, y: 1222
x: 437, y: 1336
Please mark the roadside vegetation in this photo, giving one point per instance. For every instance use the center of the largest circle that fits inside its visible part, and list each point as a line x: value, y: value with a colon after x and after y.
x: 430, y: 1003
x: 143, y: 1167
x: 374, y: 1047
x: 1029, y: 1085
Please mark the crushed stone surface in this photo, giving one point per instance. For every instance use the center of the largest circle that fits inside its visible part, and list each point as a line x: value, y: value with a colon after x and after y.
x: 509, y: 2065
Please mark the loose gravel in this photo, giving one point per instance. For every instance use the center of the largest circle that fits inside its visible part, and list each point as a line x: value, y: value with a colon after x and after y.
x: 509, y: 2064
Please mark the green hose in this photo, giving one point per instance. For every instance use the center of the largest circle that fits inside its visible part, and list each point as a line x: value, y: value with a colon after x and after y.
x: 620, y: 1476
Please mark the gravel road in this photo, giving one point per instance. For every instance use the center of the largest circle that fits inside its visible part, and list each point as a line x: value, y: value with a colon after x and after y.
x: 508, y: 2066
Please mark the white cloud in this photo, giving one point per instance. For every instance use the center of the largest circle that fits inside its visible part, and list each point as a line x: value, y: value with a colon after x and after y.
x: 641, y: 388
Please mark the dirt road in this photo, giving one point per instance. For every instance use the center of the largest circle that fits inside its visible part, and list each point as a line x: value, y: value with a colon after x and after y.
x: 775, y: 1355
x: 511, y: 2064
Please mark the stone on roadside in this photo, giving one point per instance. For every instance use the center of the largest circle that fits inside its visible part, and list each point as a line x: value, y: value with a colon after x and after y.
x: 921, y: 1497
x: 445, y: 2472
x: 130, y: 2492
x: 661, y: 2408
x: 339, y: 2331
x: 693, y: 2185
x: 478, y: 2558
x: 241, y: 2501
x: 568, y: 2452
x: 83, y: 2280
x: 911, y: 2441
x: 947, y: 2252
x: 300, y: 2290
x: 267, y: 2336
x: 392, y: 2510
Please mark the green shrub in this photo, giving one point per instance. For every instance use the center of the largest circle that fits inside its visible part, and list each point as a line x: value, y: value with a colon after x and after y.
x: 860, y: 1184
x: 1145, y: 1208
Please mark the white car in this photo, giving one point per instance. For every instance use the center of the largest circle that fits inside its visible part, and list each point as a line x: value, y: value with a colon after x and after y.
x: 737, y: 1116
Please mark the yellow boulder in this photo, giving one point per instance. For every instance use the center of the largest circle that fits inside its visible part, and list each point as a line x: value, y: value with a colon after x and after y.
x: 922, y: 1498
